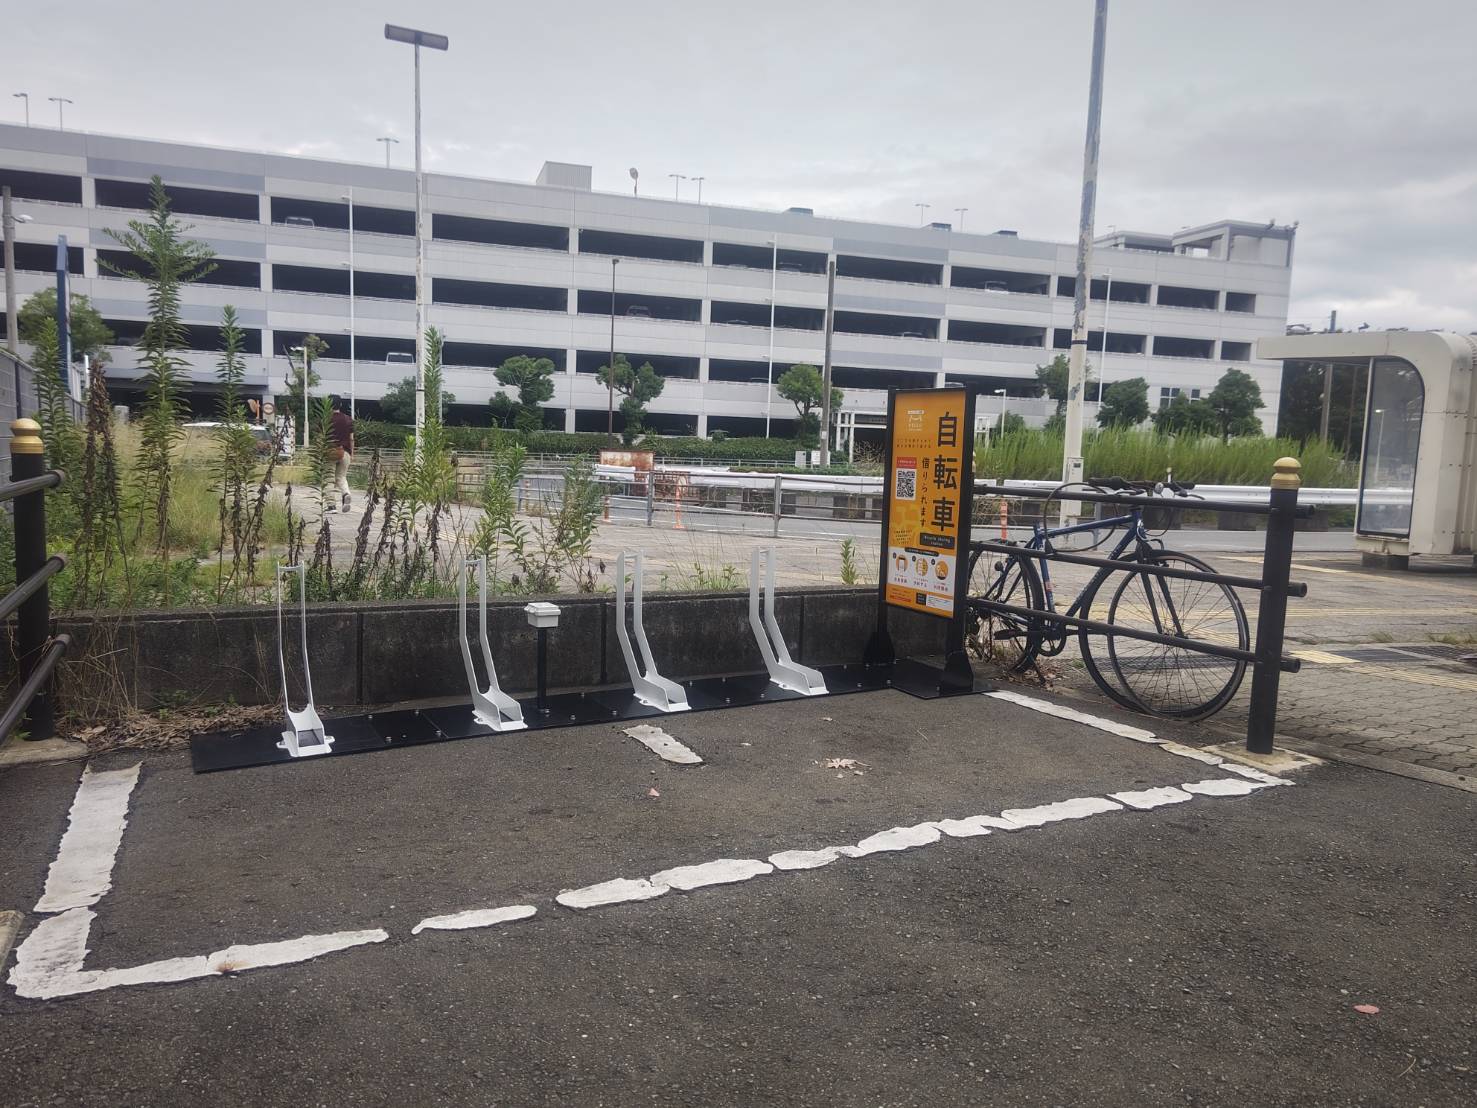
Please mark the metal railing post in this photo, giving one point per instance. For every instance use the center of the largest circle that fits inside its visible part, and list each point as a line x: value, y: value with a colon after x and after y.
x: 33, y: 617
x: 650, y: 495
x: 1261, y: 724
x: 779, y: 492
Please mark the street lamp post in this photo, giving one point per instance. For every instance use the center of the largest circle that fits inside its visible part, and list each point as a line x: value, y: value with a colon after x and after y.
x: 677, y: 179
x: 960, y: 213
x: 922, y: 212
x: 387, y: 140
x: 26, y: 96
x: 417, y: 39
x: 353, y: 362
x: 1000, y: 425
x: 61, y: 102
x: 610, y: 366
x: 699, y: 181
x: 9, y: 219
x: 774, y: 270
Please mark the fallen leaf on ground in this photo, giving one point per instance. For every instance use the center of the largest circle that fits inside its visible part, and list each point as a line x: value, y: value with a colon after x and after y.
x: 1367, y: 1009
x: 652, y: 792
x: 844, y: 763
x: 827, y: 719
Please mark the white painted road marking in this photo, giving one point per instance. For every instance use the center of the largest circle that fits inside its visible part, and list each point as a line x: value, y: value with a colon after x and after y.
x: 898, y: 838
x: 723, y: 871
x: 1224, y: 786
x: 476, y: 917
x: 1144, y: 799
x: 83, y: 870
x: 663, y: 745
x: 617, y: 891
x: 1061, y: 711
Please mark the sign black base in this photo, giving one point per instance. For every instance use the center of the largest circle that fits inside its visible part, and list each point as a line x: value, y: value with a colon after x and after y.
x: 241, y: 749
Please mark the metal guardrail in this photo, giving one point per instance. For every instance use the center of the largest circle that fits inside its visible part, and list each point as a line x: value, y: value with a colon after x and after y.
x: 37, y: 652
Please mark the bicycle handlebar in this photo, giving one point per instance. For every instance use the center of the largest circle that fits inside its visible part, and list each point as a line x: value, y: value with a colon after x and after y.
x: 1119, y: 484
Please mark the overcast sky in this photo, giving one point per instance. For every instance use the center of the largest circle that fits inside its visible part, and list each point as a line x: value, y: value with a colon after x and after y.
x: 1356, y: 118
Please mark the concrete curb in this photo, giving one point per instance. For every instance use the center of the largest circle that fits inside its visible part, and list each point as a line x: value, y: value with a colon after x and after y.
x: 23, y: 752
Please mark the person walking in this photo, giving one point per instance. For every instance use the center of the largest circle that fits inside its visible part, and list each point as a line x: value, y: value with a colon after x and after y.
x: 341, y: 450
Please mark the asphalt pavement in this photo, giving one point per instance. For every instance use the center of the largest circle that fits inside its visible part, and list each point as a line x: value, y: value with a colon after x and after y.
x: 1223, y: 949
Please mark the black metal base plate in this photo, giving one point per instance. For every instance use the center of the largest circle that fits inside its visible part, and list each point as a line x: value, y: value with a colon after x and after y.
x: 223, y: 750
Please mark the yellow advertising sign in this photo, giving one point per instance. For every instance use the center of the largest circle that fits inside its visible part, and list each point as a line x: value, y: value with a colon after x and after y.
x: 926, y: 471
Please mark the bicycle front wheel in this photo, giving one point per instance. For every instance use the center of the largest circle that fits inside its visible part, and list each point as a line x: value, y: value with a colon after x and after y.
x: 1173, y: 681
x: 1007, y: 639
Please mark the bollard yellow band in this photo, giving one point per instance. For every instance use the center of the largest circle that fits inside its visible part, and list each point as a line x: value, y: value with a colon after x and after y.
x: 25, y: 437
x: 1287, y: 474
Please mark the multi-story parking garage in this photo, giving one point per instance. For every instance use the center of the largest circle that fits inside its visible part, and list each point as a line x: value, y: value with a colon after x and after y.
x: 527, y: 269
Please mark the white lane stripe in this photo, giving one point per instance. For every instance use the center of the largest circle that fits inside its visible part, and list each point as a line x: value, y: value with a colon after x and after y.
x: 1144, y: 799
x: 1192, y: 753
x: 810, y: 859
x: 1079, y: 807
x: 476, y: 917
x: 664, y: 746
x: 49, y: 963
x: 1224, y: 786
x: 722, y: 871
x: 616, y: 891
x: 1061, y: 711
x: 83, y: 869
x: 1255, y: 774
x: 898, y: 838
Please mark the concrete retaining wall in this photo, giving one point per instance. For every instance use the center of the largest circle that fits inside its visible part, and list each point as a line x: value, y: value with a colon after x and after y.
x: 378, y: 653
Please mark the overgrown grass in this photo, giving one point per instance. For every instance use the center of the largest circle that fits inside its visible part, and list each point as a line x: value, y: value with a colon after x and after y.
x: 1148, y: 456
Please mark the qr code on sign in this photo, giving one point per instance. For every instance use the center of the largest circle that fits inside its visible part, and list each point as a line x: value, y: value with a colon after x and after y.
x: 907, y: 485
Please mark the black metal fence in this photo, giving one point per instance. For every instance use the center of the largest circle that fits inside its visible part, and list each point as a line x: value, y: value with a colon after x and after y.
x: 1266, y: 658
x: 37, y: 652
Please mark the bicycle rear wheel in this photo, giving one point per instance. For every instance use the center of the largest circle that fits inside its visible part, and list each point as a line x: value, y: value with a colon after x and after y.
x: 1174, y: 681
x: 1009, y: 640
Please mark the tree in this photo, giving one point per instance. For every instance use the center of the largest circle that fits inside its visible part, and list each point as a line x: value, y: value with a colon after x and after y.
x: 1011, y: 422
x: 802, y: 386
x: 1183, y: 416
x: 1235, y: 400
x: 1124, y: 403
x: 90, y: 335
x: 166, y: 261
x: 398, y: 403
x: 1054, y: 377
x: 638, y: 386
x: 533, y: 380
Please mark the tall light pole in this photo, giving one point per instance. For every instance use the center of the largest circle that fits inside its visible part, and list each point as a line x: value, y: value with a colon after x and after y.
x: 387, y: 140
x: 610, y: 365
x: 1077, y: 360
x: 826, y: 364
x: 353, y: 363
x: 26, y: 96
x: 774, y: 270
x: 1102, y: 357
x: 61, y: 102
x: 699, y: 181
x: 1000, y: 426
x: 677, y: 180
x: 635, y: 181
x: 922, y: 212
x: 960, y: 213
x: 8, y: 218
x: 417, y: 39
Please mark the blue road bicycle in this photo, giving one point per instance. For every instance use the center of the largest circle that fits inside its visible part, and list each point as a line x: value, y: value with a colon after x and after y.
x: 1163, y: 680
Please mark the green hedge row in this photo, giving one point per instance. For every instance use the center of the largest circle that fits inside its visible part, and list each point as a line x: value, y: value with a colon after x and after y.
x: 372, y: 435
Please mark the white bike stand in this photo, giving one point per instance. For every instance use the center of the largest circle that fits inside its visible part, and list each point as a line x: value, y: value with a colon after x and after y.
x: 784, y: 671
x: 652, y: 689
x: 491, y: 707
x: 304, y: 735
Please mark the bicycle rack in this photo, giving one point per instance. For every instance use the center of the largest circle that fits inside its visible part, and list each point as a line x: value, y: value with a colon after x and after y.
x: 305, y: 735
x: 490, y: 707
x: 652, y: 689
x: 784, y: 671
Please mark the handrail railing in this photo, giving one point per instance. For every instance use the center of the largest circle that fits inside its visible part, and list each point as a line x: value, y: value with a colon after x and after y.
x: 37, y: 652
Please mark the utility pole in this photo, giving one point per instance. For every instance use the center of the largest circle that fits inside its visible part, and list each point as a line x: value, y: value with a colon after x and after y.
x: 1077, y: 361
x: 826, y: 371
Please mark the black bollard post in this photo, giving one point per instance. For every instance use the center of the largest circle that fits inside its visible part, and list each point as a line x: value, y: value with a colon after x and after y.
x: 33, y: 617
x: 1266, y: 674
x: 543, y: 670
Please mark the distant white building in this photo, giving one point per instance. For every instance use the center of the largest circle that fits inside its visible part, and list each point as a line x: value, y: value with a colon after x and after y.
x: 526, y: 268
